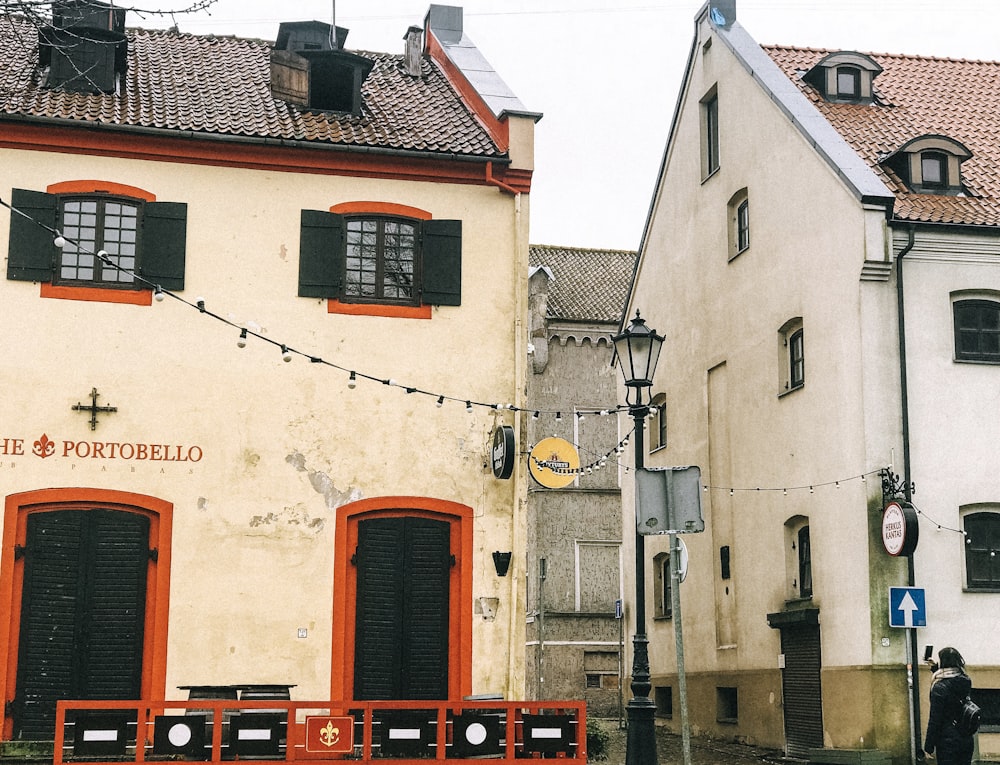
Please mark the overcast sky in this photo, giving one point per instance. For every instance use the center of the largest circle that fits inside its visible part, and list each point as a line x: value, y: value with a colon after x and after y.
x: 605, y: 74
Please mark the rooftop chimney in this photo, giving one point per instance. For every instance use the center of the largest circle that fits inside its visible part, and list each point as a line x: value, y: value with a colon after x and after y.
x: 414, y: 49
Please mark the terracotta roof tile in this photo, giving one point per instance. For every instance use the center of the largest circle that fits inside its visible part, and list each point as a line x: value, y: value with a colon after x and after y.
x: 221, y: 85
x: 589, y: 285
x: 919, y: 96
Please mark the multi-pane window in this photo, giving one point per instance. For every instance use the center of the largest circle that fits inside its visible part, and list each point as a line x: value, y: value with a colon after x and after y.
x: 710, y: 138
x: 658, y: 423
x: 796, y: 360
x: 848, y: 82
x: 382, y: 260
x: 982, y: 551
x: 90, y: 226
x: 663, y: 599
x: 977, y: 330
x: 743, y: 225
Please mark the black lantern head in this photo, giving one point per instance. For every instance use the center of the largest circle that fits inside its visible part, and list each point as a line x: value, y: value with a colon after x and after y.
x: 638, y: 350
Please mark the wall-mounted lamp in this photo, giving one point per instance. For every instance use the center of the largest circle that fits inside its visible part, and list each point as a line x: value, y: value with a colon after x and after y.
x: 502, y: 562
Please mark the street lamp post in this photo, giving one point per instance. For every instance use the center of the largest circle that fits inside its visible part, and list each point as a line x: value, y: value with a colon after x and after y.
x: 637, y: 349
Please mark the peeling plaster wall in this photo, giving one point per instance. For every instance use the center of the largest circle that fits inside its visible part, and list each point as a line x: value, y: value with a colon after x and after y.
x: 282, y: 445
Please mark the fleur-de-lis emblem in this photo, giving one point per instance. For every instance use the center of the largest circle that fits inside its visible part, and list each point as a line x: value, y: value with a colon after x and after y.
x: 43, y: 447
x: 330, y: 735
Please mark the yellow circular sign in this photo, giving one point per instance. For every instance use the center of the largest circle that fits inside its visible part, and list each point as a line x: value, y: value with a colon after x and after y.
x: 553, y: 463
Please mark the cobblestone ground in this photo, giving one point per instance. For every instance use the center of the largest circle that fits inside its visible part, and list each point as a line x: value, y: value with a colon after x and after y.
x: 703, y: 751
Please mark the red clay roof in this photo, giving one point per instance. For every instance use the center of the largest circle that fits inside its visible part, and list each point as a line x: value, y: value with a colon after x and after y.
x: 221, y: 86
x: 919, y: 96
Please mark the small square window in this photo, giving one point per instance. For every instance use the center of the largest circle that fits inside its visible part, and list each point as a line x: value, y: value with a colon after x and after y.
x: 933, y: 169
x: 977, y: 330
x: 982, y: 551
x: 663, y: 697
x: 727, y: 705
x: 848, y: 82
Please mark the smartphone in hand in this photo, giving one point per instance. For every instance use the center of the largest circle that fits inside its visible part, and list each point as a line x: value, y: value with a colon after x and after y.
x: 928, y: 653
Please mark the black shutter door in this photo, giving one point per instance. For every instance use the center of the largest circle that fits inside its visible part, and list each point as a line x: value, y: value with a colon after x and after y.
x: 119, y: 547
x: 442, y: 262
x: 803, y: 696
x: 32, y: 251
x: 378, y: 628
x: 164, y: 244
x: 46, y: 650
x: 321, y: 254
x: 402, y: 612
x: 427, y: 569
x: 82, y: 613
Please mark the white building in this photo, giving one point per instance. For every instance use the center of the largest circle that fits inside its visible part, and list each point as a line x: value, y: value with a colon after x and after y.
x: 823, y: 257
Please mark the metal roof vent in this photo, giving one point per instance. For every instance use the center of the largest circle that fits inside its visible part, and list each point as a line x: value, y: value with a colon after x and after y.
x: 309, y: 35
x: 85, y: 48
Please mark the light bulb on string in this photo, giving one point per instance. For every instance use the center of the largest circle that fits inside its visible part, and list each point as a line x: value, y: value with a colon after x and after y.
x: 534, y: 416
x: 158, y: 294
x: 200, y: 302
x: 286, y: 355
x: 468, y: 407
x: 242, y: 341
x: 440, y: 402
x: 59, y: 241
x: 352, y: 381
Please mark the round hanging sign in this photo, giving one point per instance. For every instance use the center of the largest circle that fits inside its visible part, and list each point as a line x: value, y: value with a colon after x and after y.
x: 900, y: 528
x: 502, y: 455
x: 553, y: 463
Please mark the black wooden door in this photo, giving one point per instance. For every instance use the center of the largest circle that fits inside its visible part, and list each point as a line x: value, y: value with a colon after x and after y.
x: 82, y: 613
x: 800, y: 681
x: 402, y: 610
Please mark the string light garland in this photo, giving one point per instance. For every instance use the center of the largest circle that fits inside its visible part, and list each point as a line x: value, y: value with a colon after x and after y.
x: 940, y: 527
x: 287, y: 351
x: 810, y: 487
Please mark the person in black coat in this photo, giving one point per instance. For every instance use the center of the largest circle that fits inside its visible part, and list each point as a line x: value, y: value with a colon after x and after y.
x: 949, y: 688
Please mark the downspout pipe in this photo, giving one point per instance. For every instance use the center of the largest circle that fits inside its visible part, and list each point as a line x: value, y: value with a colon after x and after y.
x: 903, y: 394
x: 915, y: 735
x: 498, y: 183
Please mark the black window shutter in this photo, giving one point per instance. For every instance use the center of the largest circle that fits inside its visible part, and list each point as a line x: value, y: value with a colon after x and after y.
x: 321, y: 254
x: 427, y: 570
x: 119, y: 558
x: 442, y: 259
x: 164, y: 244
x: 31, y: 252
x: 46, y: 669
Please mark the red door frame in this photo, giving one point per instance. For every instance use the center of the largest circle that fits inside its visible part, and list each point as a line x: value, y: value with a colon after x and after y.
x: 345, y: 586
x: 16, y: 510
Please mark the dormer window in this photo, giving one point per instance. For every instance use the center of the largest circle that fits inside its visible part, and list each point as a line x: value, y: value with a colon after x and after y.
x: 845, y: 77
x: 930, y: 164
x: 310, y: 68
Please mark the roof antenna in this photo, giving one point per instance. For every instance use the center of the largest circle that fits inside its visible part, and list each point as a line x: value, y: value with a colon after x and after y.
x: 333, y: 25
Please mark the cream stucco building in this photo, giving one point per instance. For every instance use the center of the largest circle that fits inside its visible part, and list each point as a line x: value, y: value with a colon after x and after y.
x: 264, y: 310
x: 822, y: 255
